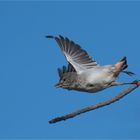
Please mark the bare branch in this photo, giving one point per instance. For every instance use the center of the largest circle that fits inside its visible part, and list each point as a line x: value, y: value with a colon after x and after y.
x: 99, y: 105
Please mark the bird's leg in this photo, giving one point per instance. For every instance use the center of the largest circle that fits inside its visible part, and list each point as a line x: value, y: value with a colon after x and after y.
x: 120, y: 84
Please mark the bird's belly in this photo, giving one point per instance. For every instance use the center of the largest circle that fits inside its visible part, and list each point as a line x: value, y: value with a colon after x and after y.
x: 91, y: 89
x: 93, y: 81
x: 96, y: 78
x: 96, y: 81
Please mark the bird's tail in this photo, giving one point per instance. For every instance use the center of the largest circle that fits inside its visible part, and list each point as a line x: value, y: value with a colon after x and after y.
x: 121, y: 66
x: 123, y: 63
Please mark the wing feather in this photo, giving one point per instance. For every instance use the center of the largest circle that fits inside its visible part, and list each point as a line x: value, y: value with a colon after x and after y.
x: 74, y: 54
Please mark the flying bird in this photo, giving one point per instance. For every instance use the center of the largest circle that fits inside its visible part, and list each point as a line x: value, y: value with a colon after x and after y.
x: 83, y: 73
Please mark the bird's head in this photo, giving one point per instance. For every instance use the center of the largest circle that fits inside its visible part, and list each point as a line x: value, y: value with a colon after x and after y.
x: 64, y: 82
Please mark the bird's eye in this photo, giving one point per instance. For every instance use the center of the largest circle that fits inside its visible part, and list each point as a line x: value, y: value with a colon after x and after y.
x: 64, y: 79
x: 90, y: 85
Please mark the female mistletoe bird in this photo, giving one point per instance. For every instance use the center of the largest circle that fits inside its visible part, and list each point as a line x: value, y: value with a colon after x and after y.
x: 83, y: 73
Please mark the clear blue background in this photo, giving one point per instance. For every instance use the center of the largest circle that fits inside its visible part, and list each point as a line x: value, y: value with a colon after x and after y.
x: 29, y: 62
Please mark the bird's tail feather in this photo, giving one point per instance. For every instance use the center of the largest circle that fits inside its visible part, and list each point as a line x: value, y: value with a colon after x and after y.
x: 121, y: 66
x: 123, y: 63
x: 129, y: 73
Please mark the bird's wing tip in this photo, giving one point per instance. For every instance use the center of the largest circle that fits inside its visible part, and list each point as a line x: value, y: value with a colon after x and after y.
x: 61, y: 36
x: 49, y: 36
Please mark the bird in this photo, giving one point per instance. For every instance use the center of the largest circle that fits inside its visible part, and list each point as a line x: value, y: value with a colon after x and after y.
x: 83, y: 73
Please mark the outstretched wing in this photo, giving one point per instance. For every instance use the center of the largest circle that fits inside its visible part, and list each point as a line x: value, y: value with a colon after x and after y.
x: 74, y: 54
x: 65, y: 69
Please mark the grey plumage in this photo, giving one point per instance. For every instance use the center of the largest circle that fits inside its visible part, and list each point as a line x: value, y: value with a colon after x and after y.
x: 83, y: 73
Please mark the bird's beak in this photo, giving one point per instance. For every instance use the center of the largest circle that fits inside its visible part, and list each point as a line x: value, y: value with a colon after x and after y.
x: 57, y: 85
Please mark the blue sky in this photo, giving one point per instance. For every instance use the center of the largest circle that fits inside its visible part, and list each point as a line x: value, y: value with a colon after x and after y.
x: 29, y: 62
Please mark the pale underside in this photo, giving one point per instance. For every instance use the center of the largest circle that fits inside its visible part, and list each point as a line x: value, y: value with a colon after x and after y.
x: 91, y: 77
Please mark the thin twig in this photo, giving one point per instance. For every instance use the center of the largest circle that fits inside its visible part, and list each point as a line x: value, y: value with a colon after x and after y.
x: 99, y: 105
